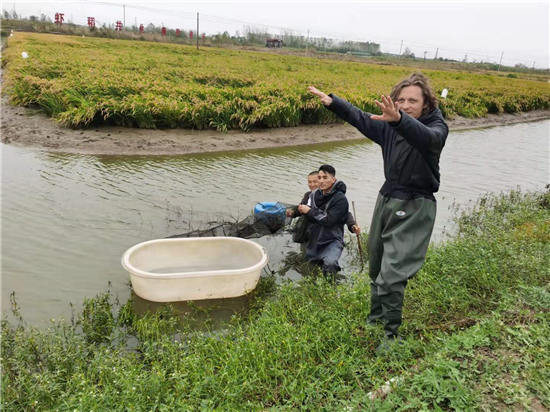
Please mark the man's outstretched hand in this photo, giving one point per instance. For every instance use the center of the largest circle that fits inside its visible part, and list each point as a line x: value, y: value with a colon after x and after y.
x: 325, y: 99
x: 390, y: 110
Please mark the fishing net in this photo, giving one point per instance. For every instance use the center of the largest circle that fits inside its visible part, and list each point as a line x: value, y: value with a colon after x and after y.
x: 268, y: 218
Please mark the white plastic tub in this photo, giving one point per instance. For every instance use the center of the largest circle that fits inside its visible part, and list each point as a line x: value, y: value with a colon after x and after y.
x: 170, y: 270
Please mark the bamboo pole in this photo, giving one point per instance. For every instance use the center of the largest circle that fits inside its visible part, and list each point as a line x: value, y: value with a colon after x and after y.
x: 358, y: 237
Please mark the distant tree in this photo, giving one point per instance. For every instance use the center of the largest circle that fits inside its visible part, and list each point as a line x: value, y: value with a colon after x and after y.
x: 291, y: 40
x: 408, y: 53
x: 256, y: 36
x: 222, y: 38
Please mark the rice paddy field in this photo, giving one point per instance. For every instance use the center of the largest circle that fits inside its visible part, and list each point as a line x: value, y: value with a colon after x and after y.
x: 82, y: 81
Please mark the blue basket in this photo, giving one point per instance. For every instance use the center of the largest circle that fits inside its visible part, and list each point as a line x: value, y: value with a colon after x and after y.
x: 272, y: 214
x: 269, y: 209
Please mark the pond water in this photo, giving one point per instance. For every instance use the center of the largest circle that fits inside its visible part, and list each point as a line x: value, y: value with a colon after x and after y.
x: 67, y: 219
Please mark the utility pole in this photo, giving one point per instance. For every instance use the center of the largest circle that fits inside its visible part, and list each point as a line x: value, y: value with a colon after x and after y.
x: 399, y: 58
x: 533, y: 65
x: 500, y: 61
x: 124, y: 9
x: 307, y: 41
x: 197, y: 31
x: 135, y: 22
x: 435, y: 58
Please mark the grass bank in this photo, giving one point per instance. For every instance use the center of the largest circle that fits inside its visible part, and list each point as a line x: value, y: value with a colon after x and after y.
x: 477, y: 337
x: 82, y: 81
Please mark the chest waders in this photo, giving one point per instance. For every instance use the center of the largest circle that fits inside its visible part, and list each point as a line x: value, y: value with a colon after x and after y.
x: 327, y: 257
x: 398, y: 241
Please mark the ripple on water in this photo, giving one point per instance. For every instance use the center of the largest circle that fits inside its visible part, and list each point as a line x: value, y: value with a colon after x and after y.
x: 67, y: 218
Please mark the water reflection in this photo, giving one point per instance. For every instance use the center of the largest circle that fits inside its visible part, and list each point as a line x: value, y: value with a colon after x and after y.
x: 210, y: 314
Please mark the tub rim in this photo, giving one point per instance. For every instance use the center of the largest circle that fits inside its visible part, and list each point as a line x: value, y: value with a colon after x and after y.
x: 125, y: 260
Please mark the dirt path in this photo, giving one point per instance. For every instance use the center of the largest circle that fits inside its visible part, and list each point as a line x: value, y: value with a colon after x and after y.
x: 30, y: 128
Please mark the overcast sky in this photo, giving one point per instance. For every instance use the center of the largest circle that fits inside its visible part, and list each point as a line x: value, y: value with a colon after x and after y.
x: 482, y: 30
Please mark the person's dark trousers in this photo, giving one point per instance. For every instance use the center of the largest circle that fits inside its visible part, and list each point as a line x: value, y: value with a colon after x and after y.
x: 398, y: 241
x: 328, y: 259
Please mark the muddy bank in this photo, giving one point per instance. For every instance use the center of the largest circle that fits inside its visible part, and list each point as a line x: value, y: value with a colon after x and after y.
x: 30, y: 128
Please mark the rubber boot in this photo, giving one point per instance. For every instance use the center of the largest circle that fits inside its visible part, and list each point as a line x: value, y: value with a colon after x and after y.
x: 376, y: 315
x: 392, y: 307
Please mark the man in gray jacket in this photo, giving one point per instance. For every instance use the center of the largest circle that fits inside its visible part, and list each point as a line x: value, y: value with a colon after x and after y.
x: 411, y: 132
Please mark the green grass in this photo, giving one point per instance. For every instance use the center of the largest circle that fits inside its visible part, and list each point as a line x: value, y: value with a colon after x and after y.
x: 476, y: 337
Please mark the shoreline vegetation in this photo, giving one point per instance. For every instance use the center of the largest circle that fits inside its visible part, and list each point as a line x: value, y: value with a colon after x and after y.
x: 151, y: 92
x: 476, y: 337
x: 152, y: 85
x: 29, y: 127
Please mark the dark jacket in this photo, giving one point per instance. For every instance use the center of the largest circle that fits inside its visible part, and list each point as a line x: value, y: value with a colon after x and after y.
x: 411, y: 148
x: 327, y: 226
x: 350, y: 222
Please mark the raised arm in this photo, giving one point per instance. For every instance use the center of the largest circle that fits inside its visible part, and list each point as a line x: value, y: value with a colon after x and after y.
x: 426, y: 139
x: 361, y: 120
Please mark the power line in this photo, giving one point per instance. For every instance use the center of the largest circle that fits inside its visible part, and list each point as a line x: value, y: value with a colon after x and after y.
x: 333, y: 35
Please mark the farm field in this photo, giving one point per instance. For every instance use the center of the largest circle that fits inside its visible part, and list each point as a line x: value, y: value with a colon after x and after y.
x: 83, y: 81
